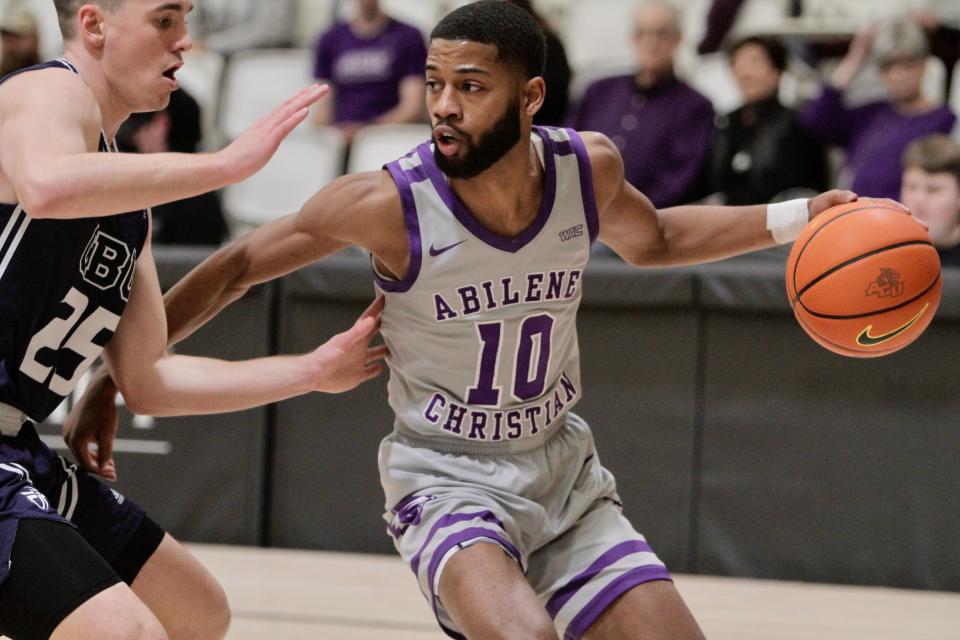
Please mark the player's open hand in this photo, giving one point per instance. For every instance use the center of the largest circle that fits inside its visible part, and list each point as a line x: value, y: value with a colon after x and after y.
x: 347, y: 359
x: 829, y: 199
x: 254, y: 147
x: 91, y: 427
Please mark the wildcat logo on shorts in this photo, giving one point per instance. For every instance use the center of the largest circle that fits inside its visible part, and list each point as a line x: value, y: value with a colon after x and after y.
x: 887, y: 285
x: 38, y: 499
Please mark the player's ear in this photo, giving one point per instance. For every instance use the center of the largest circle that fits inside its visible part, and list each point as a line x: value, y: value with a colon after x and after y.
x: 90, y: 23
x: 534, y: 93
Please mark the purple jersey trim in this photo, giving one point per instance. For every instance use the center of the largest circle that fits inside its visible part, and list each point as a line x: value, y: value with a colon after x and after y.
x: 460, y: 538
x: 402, y: 179
x: 449, y: 520
x: 589, y: 614
x: 467, y: 219
x: 614, y: 554
x: 586, y: 185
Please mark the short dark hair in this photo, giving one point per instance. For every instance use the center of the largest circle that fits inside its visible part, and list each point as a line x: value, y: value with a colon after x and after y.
x: 771, y: 46
x: 934, y: 154
x: 67, y: 13
x: 516, y: 34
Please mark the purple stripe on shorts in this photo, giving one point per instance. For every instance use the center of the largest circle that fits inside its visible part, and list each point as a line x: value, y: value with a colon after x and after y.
x: 448, y: 520
x: 586, y: 185
x: 458, y: 538
x: 614, y: 554
x: 602, y: 601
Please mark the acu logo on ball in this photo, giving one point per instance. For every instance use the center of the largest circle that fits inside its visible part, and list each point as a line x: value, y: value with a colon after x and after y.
x: 887, y: 285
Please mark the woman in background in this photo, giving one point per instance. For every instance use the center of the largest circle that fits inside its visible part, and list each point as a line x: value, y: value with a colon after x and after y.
x: 761, y: 152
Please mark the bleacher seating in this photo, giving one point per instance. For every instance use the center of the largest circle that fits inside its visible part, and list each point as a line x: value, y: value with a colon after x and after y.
x: 423, y: 14
x: 376, y: 145
x: 935, y: 80
x: 302, y: 166
x: 598, y: 37
x: 256, y: 81
x: 313, y: 18
x: 48, y: 28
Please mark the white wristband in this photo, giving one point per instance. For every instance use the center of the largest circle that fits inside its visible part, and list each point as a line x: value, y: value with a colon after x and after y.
x: 785, y: 220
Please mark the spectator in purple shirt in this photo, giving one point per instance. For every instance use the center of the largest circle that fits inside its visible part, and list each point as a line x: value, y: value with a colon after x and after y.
x: 876, y: 134
x: 374, y: 65
x: 662, y: 127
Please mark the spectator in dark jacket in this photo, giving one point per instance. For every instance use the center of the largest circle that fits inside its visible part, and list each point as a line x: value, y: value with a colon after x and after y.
x: 761, y: 150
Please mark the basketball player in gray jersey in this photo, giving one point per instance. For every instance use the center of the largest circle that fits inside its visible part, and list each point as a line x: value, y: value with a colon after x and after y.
x: 495, y: 495
x: 78, y: 560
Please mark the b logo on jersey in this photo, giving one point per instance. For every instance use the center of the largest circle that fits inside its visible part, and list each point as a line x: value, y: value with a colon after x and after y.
x: 105, y: 261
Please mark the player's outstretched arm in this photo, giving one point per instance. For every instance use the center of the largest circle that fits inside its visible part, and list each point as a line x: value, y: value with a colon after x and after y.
x: 362, y: 209
x: 154, y: 382
x: 49, y: 121
x: 646, y: 237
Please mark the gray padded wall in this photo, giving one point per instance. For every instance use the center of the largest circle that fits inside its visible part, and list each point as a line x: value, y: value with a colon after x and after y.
x: 820, y: 467
x: 326, y: 488
x: 740, y: 446
x: 638, y: 350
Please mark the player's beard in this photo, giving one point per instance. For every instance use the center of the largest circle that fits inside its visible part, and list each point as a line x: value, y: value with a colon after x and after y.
x: 492, y: 145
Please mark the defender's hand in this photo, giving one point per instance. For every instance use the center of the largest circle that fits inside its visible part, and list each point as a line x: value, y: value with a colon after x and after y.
x: 347, y: 359
x: 254, y: 147
x: 93, y: 420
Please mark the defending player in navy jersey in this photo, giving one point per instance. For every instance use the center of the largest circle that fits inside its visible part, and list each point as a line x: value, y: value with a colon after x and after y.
x: 495, y: 494
x: 77, y: 278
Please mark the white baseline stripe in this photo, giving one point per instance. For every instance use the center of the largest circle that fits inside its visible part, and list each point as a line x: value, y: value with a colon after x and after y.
x: 13, y: 245
x: 120, y: 445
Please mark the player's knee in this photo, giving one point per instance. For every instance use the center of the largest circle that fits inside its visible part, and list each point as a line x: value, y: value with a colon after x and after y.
x: 140, y: 626
x: 209, y: 617
x: 218, y: 614
x: 147, y: 628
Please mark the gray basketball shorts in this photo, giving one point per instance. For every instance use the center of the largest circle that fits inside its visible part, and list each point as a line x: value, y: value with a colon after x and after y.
x: 554, y: 510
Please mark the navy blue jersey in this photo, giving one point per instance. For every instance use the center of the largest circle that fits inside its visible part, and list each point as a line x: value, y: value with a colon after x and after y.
x: 63, y: 286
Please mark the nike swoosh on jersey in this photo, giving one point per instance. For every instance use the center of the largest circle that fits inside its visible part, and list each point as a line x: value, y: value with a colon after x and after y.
x: 434, y: 252
x: 867, y: 340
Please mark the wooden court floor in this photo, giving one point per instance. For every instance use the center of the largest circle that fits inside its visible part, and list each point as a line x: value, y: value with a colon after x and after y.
x: 296, y: 595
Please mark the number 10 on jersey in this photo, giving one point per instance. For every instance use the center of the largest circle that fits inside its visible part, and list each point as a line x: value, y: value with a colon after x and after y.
x: 530, y: 362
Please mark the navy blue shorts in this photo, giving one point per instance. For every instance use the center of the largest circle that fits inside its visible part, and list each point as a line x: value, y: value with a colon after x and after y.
x: 37, y: 483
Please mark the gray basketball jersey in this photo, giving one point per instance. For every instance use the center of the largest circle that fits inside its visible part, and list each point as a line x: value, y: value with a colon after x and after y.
x: 482, y: 328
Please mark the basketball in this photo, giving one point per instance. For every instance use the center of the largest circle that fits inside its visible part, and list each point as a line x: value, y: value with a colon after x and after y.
x: 863, y: 279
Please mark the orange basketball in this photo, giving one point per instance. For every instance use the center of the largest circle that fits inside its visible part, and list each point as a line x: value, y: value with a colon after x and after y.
x: 863, y: 279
